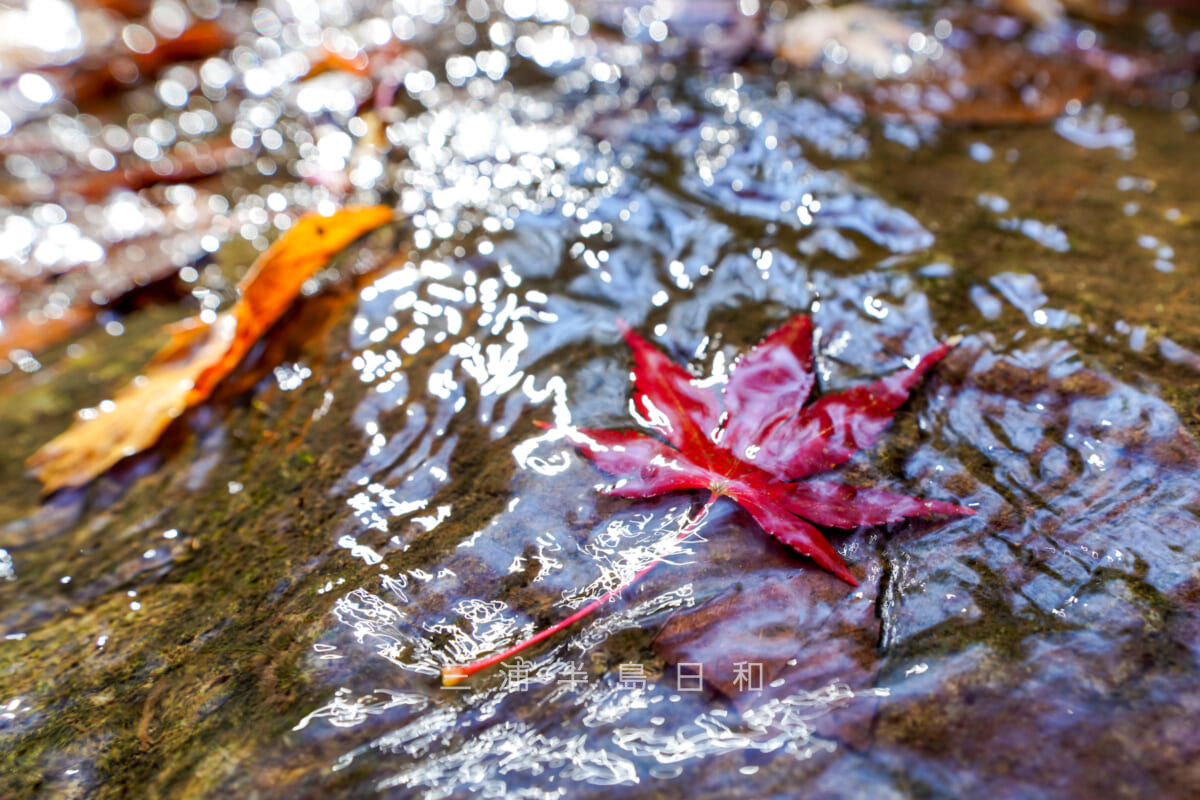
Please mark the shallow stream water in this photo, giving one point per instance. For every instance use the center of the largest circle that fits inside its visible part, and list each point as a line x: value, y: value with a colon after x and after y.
x: 261, y: 606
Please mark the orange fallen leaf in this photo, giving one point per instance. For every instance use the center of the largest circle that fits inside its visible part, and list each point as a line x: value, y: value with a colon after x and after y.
x: 198, y: 355
x: 869, y: 38
x: 129, y: 9
x: 327, y: 59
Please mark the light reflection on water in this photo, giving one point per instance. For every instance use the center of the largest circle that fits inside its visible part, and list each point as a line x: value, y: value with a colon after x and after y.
x: 554, y: 180
x: 479, y: 368
x: 626, y: 730
x: 621, y: 549
x: 450, y: 339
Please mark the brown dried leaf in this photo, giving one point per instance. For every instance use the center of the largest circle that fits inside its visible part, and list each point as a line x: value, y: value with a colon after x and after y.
x: 199, y: 355
x: 33, y: 336
x: 992, y: 83
x: 95, y: 82
x: 985, y: 74
x: 187, y: 163
x: 804, y: 627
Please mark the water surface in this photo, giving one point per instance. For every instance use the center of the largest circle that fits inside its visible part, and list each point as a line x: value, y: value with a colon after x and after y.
x: 261, y: 606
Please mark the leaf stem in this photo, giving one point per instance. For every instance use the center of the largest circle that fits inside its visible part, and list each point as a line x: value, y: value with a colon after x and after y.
x: 453, y: 674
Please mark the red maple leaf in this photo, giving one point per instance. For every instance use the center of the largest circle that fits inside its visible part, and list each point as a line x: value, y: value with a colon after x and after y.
x: 758, y: 449
x: 767, y: 438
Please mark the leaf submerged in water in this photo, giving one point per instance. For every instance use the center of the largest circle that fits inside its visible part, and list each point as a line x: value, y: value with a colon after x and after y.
x: 755, y: 445
x: 198, y: 355
x: 767, y: 438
